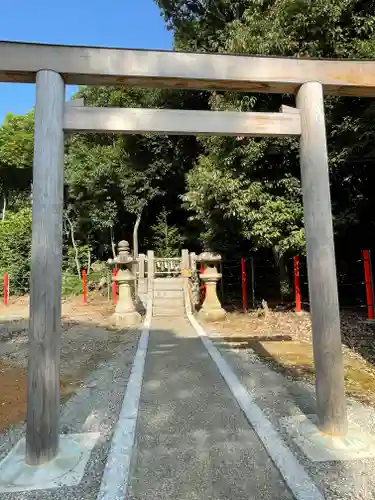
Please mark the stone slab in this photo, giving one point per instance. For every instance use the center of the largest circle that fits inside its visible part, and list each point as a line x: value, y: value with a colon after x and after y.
x: 320, y: 447
x: 66, y: 469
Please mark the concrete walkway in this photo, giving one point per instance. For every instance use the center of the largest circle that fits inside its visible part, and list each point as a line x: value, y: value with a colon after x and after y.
x: 192, y: 440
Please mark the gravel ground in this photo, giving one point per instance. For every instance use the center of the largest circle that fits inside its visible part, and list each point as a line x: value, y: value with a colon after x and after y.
x: 281, y: 396
x: 98, y: 361
x: 96, y: 364
x: 87, y: 338
x: 94, y: 408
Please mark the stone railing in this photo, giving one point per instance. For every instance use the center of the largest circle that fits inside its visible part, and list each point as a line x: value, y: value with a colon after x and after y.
x: 167, y: 267
x: 150, y: 266
x: 194, y: 269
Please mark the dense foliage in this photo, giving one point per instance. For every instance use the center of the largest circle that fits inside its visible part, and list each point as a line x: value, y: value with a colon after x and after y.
x: 252, y: 186
x: 15, y: 246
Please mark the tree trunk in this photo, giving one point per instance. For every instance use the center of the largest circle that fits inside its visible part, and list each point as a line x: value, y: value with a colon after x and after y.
x: 166, y: 238
x: 4, y: 207
x: 112, y: 243
x: 88, y: 261
x: 284, y: 280
x: 135, y: 235
x: 74, y: 246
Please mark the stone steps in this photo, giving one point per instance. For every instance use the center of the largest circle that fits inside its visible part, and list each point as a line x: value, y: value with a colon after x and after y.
x: 168, y: 284
x: 168, y: 297
x: 170, y: 301
x: 168, y: 313
x: 168, y: 294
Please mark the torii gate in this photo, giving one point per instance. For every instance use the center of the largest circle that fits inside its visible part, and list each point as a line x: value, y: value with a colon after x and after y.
x: 51, y: 66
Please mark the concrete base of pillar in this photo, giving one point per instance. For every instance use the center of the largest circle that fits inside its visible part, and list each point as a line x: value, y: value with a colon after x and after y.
x: 320, y: 447
x: 66, y: 469
x: 212, y: 314
x: 126, y: 319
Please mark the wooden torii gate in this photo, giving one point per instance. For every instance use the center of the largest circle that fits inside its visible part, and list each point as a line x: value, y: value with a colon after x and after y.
x: 53, y: 66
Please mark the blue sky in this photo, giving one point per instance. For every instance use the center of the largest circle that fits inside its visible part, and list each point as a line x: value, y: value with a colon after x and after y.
x: 119, y: 23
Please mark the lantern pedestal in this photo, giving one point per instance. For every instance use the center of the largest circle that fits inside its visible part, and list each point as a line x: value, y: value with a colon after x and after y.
x: 126, y: 313
x: 211, y: 309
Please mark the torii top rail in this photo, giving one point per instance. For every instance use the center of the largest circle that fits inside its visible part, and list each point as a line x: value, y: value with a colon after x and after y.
x: 144, y: 68
x: 52, y: 66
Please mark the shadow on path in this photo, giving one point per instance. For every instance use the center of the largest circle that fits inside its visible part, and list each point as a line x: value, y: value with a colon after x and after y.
x: 193, y: 441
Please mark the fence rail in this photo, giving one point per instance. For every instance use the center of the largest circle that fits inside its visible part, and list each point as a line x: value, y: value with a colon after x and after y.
x: 245, y: 282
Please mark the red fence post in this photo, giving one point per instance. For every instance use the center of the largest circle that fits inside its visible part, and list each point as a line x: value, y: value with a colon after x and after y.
x: 114, y: 287
x: 203, y: 290
x: 84, y: 285
x: 6, y: 289
x: 369, y: 284
x: 244, y: 284
x: 297, y: 285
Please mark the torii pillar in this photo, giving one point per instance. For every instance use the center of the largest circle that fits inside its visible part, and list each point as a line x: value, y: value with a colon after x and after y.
x: 322, y: 278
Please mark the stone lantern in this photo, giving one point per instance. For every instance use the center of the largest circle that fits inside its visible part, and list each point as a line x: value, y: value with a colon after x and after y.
x: 211, y: 309
x: 125, y: 313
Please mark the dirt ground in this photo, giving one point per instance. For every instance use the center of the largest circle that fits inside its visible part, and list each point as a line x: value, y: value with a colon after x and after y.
x: 284, y: 340
x: 87, y: 340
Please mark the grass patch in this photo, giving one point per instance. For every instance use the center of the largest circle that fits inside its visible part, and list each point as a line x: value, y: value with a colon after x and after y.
x: 13, y: 393
x: 295, y: 359
x: 13, y: 382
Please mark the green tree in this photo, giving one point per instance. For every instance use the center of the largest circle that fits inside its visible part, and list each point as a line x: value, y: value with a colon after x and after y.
x: 16, y: 153
x: 167, y: 240
x: 128, y: 179
x: 15, y: 248
x: 255, y: 184
x: 112, y: 183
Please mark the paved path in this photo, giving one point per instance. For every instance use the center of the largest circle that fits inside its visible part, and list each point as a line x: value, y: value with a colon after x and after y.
x: 192, y: 440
